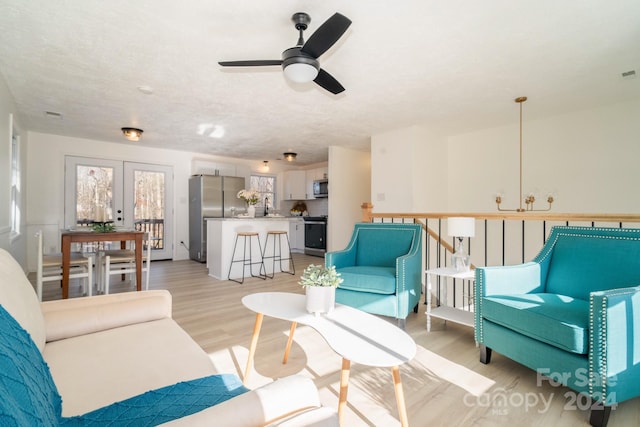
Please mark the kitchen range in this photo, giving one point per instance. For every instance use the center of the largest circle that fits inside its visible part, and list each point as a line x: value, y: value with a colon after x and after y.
x: 315, y: 235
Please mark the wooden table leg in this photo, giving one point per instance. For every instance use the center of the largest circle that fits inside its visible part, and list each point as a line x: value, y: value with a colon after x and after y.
x: 397, y: 384
x: 123, y: 246
x: 66, y: 258
x: 252, y: 348
x: 289, y: 341
x: 344, y: 388
x: 138, y: 243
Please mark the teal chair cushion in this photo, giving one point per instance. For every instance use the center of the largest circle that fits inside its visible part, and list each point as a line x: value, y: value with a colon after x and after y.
x: 376, y: 280
x: 582, y: 264
x: 558, y: 320
x: 380, y: 246
x: 29, y: 396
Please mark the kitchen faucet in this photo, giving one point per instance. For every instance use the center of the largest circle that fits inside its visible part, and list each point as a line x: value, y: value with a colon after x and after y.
x: 266, y: 206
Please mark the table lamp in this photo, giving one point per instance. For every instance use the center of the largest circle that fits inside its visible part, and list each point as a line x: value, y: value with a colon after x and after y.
x: 460, y: 228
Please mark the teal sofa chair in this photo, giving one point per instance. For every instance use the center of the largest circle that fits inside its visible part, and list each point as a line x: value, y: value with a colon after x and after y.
x: 572, y: 314
x: 381, y: 268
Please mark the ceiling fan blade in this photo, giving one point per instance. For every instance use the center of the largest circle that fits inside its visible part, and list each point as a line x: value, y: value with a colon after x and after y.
x: 326, y: 35
x: 328, y: 82
x: 257, y: 63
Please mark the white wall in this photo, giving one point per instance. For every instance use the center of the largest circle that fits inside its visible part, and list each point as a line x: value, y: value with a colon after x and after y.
x: 349, y: 186
x: 409, y: 167
x: 587, y: 159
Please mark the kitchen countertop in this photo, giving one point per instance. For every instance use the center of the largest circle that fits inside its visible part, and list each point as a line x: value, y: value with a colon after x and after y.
x: 258, y: 218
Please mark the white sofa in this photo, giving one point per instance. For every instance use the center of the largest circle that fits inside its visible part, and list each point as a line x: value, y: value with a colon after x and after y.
x: 105, y: 349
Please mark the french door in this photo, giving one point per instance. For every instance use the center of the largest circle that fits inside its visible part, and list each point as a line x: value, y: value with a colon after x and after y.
x: 126, y: 194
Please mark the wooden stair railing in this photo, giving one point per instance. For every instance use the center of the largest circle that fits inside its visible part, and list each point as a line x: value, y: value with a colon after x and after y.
x: 620, y: 220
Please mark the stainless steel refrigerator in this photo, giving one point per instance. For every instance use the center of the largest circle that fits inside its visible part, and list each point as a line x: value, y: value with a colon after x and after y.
x: 210, y: 196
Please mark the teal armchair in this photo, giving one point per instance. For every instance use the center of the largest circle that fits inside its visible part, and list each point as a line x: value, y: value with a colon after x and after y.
x: 381, y: 267
x: 572, y: 314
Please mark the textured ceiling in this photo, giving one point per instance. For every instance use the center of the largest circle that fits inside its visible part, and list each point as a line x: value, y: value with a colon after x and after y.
x: 454, y: 65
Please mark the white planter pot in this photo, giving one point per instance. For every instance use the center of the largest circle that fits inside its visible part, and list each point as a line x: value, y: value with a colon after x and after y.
x: 320, y: 299
x: 251, y: 211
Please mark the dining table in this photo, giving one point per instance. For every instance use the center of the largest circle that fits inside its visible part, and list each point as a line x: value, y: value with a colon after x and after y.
x: 68, y: 237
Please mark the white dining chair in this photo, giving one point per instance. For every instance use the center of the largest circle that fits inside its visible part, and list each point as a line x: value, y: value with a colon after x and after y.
x: 49, y: 268
x: 123, y: 261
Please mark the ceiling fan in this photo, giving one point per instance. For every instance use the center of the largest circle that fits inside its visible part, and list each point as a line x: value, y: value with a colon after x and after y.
x: 300, y: 63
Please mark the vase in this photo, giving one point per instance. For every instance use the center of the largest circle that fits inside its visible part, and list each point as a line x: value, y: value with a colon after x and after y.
x: 320, y: 299
x: 251, y: 211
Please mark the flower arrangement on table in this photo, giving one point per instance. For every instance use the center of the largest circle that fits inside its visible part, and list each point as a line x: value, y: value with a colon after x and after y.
x: 249, y: 196
x: 319, y: 275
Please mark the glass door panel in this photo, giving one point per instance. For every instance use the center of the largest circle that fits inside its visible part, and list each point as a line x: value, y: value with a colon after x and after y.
x: 149, y: 187
x: 93, y: 192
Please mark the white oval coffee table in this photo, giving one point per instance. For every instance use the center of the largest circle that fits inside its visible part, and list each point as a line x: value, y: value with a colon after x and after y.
x: 353, y: 334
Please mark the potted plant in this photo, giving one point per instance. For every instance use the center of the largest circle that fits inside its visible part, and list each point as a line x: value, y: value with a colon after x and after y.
x: 251, y: 199
x: 320, y: 285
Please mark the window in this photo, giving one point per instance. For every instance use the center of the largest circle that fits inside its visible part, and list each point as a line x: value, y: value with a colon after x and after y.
x: 15, y: 184
x: 265, y: 185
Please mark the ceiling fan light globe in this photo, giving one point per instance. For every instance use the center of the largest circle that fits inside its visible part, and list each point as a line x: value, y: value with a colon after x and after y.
x: 300, y: 72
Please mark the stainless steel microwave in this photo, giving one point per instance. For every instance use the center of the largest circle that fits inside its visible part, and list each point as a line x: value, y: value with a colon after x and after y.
x: 321, y: 188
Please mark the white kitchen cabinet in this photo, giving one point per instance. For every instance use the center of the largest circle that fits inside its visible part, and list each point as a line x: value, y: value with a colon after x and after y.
x: 294, y: 185
x: 296, y: 235
x: 310, y: 177
x: 203, y: 167
x: 313, y: 175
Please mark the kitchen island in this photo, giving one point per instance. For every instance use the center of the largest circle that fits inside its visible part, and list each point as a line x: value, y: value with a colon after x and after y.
x: 221, y: 237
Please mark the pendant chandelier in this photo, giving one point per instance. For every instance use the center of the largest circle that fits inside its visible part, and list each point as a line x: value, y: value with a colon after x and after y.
x: 530, y: 199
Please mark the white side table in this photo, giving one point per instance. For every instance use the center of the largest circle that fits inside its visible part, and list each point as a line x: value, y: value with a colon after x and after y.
x: 464, y: 314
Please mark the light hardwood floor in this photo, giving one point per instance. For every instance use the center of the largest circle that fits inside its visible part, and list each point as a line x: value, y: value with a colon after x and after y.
x: 445, y: 385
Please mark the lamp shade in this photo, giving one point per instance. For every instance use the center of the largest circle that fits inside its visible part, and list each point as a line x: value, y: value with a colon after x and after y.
x: 461, y: 227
